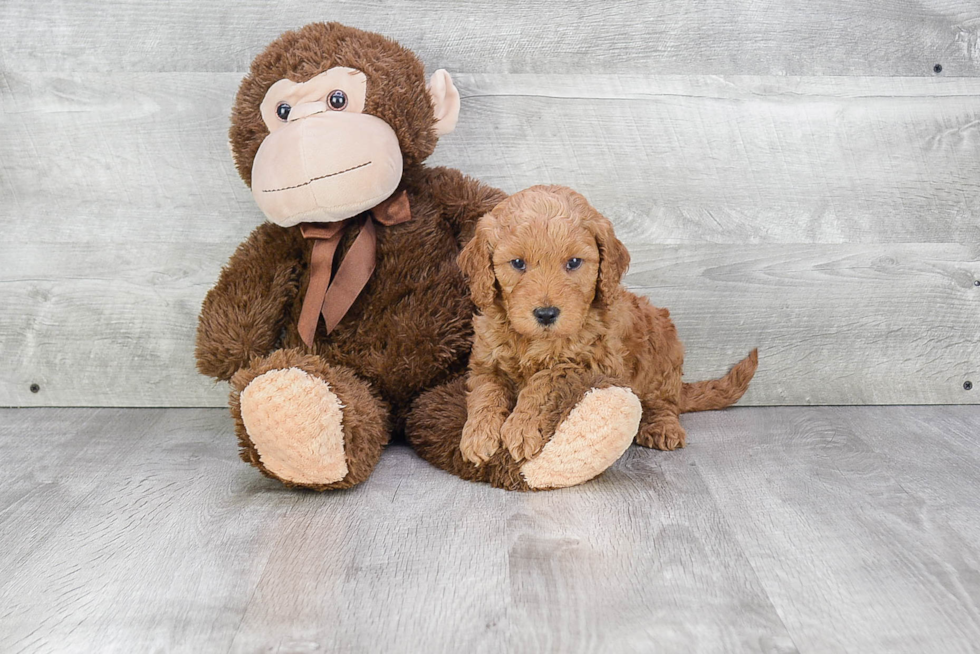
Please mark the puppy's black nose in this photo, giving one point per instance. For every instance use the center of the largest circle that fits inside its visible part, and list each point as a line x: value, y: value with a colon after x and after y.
x: 546, y: 315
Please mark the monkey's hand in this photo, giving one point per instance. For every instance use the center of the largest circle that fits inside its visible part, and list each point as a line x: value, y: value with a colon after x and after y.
x: 243, y: 315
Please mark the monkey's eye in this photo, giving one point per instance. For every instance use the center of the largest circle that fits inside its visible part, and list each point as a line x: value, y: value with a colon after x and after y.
x: 519, y: 264
x: 283, y: 111
x: 337, y: 100
x: 573, y: 264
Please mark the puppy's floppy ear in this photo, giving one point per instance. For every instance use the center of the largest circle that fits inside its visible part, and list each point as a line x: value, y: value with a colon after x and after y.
x: 614, y: 258
x: 476, y: 262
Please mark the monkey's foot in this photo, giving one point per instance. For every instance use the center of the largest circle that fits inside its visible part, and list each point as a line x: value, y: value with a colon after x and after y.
x: 295, y: 423
x: 593, y: 436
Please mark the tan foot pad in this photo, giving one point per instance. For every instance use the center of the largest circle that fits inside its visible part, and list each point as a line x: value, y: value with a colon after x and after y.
x: 593, y: 436
x: 295, y: 423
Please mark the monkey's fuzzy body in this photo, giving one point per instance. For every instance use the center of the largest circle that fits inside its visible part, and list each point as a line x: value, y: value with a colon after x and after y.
x: 317, y: 414
x: 409, y: 329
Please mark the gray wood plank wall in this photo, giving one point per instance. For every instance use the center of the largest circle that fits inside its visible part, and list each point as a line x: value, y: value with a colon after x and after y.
x: 788, y: 176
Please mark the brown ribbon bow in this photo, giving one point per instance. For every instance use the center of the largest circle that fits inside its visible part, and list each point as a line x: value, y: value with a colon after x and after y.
x: 332, y: 300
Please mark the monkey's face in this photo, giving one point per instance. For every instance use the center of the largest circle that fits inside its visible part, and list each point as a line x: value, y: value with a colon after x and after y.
x: 324, y: 159
x: 328, y: 117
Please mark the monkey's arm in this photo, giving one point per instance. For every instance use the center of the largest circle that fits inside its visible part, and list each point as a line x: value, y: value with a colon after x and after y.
x: 243, y: 315
x: 462, y: 198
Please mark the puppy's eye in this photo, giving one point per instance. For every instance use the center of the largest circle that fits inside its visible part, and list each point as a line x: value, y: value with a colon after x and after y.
x: 283, y: 111
x: 519, y: 264
x: 337, y: 100
x: 573, y: 264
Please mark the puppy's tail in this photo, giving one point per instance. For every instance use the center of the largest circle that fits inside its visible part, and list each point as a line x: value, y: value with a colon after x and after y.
x: 719, y: 393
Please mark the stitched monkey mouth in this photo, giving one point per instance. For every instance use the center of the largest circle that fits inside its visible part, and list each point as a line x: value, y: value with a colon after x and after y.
x: 310, y: 181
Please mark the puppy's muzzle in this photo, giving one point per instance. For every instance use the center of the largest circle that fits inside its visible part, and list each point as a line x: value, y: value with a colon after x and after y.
x: 546, y: 315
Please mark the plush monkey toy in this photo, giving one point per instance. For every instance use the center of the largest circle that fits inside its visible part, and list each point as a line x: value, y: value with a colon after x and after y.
x: 341, y: 310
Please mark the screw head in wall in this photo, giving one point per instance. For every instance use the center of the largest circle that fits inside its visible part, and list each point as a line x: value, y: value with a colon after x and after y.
x: 938, y: 68
x: 35, y: 388
x: 967, y: 385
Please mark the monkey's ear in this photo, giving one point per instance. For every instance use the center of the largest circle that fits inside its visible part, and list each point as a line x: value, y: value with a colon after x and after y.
x: 445, y: 101
x: 476, y: 262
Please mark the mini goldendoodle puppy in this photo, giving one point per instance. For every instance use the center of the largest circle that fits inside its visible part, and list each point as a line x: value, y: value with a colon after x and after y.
x: 544, y: 269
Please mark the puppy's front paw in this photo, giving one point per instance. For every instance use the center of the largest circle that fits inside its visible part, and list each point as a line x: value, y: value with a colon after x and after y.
x: 480, y: 440
x: 662, y: 434
x: 522, y: 437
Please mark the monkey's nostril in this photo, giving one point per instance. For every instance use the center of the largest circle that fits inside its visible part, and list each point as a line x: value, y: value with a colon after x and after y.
x: 546, y: 315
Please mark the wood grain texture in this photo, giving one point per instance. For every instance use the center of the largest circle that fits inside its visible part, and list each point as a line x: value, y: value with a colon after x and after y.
x: 136, y: 529
x: 738, y: 159
x: 831, y: 222
x: 856, y: 518
x: 854, y: 324
x: 819, y: 37
x: 183, y: 547
x: 115, y: 158
x: 446, y: 566
x: 835, y: 324
x: 775, y: 530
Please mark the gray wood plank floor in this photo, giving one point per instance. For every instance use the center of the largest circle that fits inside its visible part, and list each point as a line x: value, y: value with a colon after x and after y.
x: 815, y: 529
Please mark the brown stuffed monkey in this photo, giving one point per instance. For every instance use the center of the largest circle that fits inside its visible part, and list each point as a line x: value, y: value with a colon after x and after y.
x: 334, y: 316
